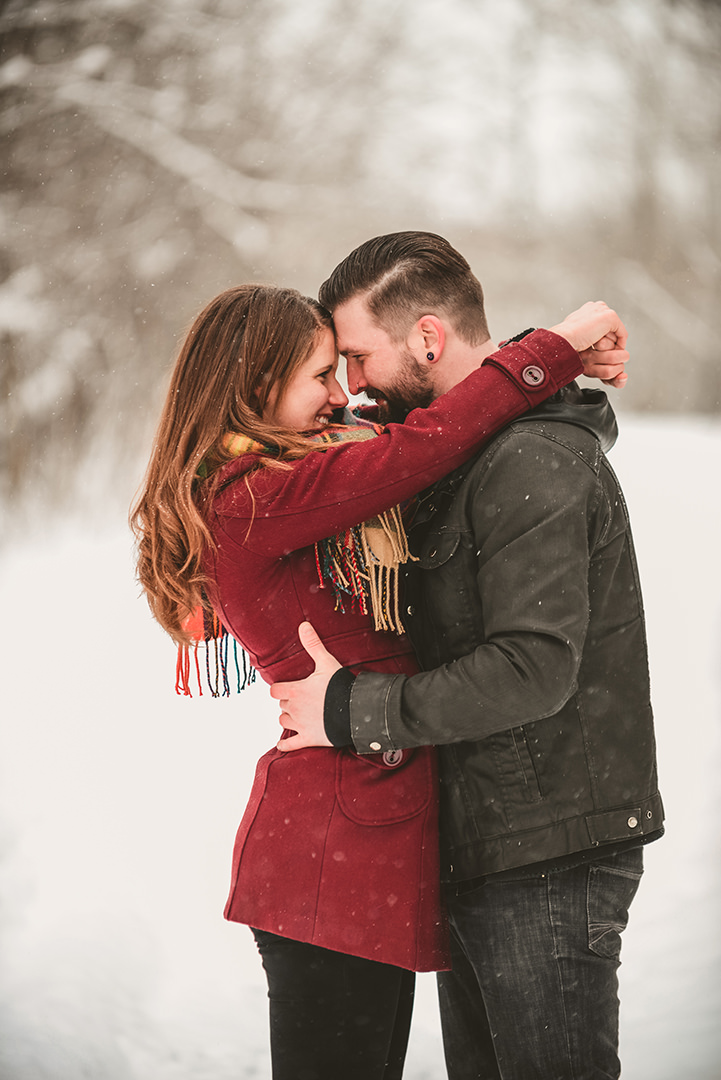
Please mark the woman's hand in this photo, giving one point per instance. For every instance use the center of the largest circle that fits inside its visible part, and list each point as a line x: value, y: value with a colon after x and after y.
x: 599, y: 337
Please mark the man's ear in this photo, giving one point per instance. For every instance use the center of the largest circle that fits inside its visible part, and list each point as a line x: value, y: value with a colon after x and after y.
x: 428, y: 339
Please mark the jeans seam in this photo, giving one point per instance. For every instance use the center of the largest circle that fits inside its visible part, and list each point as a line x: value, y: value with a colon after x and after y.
x: 566, y: 1027
x: 634, y: 875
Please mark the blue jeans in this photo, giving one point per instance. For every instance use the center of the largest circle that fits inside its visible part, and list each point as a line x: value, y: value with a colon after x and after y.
x: 333, y: 1016
x: 533, y: 994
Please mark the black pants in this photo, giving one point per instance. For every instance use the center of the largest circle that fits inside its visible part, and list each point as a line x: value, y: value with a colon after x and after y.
x: 533, y: 991
x: 334, y: 1016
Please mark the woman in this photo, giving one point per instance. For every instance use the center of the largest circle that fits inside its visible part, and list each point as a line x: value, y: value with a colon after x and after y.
x: 248, y: 509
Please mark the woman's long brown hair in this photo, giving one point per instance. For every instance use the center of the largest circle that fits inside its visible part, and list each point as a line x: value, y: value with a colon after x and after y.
x: 245, y: 342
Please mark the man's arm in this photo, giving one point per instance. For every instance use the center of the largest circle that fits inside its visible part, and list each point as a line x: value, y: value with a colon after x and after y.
x: 599, y: 336
x: 532, y: 582
x: 302, y: 702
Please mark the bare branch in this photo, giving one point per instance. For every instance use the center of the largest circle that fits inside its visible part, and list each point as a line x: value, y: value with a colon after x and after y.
x: 175, y: 153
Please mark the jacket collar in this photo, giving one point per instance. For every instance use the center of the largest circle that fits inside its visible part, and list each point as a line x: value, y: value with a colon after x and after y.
x: 589, y: 409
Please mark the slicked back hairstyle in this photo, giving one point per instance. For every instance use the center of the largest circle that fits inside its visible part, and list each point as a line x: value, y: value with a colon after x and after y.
x: 405, y: 275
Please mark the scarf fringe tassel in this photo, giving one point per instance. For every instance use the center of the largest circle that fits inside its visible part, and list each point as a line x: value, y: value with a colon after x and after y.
x: 216, y: 642
x: 363, y: 564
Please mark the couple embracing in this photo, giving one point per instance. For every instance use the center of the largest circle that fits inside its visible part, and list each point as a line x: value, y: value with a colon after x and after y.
x: 463, y: 550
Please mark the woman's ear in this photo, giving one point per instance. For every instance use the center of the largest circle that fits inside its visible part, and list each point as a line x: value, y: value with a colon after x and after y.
x: 261, y: 399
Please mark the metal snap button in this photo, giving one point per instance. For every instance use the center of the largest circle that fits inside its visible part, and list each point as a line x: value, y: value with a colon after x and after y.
x: 533, y: 375
x: 393, y: 757
x: 632, y: 822
x: 410, y: 610
x: 375, y: 746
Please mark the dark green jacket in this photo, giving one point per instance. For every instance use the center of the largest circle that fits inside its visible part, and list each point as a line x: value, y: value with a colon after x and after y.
x: 525, y: 609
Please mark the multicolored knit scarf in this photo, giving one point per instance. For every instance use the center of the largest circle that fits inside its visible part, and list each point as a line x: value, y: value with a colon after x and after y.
x: 361, y: 565
x: 204, y: 627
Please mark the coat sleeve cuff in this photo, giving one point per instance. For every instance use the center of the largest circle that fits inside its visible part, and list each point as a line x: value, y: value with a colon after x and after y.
x: 374, y: 699
x: 336, y: 708
x: 526, y: 364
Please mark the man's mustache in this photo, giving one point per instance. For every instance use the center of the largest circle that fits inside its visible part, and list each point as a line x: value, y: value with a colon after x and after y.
x: 391, y: 408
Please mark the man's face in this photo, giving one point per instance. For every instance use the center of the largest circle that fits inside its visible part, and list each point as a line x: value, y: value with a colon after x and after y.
x: 379, y: 367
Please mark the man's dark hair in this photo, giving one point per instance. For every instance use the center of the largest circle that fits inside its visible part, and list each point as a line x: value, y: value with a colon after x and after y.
x: 406, y: 275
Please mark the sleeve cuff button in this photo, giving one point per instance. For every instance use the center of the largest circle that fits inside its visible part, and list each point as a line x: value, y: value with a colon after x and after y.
x: 533, y: 375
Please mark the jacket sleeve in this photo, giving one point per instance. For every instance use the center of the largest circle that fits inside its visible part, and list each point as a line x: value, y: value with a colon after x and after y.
x: 327, y: 492
x: 532, y: 511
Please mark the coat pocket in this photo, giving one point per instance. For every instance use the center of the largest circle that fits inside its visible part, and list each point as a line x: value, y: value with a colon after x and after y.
x: 438, y: 547
x: 531, y: 787
x: 373, y: 792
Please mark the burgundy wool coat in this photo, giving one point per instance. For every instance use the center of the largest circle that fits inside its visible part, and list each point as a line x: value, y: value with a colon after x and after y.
x: 335, y: 848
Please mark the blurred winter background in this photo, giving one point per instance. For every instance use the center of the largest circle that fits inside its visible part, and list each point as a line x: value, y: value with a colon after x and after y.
x: 157, y: 151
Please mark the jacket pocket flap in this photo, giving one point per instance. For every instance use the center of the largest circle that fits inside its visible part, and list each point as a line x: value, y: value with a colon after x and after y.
x: 371, y: 794
x: 437, y: 548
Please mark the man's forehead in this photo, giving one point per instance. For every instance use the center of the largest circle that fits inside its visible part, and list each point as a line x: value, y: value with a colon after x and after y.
x: 355, y: 327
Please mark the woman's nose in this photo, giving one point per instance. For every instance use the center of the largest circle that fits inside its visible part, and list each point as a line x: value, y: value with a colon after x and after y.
x: 338, y: 396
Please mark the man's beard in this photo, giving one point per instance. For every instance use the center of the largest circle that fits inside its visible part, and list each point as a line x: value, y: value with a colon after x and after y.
x: 411, y: 389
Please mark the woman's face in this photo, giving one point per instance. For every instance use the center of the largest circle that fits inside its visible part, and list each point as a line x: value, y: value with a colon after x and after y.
x: 313, y: 392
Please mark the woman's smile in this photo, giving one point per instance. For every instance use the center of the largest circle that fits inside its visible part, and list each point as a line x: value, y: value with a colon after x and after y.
x: 313, y: 393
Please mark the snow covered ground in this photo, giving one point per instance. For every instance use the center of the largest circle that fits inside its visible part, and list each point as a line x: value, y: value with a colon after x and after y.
x: 119, y: 803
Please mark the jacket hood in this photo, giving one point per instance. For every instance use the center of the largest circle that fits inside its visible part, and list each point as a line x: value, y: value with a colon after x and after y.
x: 589, y: 409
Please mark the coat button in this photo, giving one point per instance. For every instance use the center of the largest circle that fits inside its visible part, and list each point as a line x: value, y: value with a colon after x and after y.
x: 410, y: 610
x: 533, y: 375
x: 632, y: 822
x: 375, y: 746
x: 393, y: 757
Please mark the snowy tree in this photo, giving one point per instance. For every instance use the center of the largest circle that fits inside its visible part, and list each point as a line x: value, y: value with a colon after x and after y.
x: 157, y: 152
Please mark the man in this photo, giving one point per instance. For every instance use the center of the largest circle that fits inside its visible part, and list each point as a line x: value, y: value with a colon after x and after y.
x: 524, y: 609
